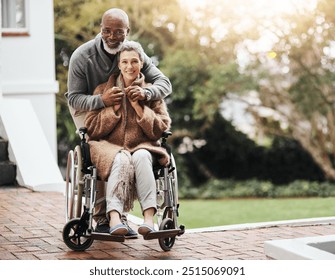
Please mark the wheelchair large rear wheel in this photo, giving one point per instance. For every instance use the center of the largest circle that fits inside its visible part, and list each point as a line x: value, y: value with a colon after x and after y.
x: 75, y: 236
x: 74, y: 184
x: 174, y: 180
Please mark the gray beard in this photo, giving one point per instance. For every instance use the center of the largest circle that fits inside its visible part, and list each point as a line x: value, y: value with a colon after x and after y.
x: 109, y: 50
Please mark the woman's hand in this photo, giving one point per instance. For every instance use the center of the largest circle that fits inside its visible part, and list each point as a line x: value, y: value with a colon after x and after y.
x: 133, y: 95
x: 116, y: 107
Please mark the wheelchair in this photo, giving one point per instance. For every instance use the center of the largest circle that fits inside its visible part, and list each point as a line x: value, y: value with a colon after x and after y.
x: 80, y: 196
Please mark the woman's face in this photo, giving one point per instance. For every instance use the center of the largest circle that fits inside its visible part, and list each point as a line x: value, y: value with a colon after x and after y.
x: 130, y: 65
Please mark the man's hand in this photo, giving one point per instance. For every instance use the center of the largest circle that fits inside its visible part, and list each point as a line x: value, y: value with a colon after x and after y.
x: 135, y: 93
x: 112, y: 96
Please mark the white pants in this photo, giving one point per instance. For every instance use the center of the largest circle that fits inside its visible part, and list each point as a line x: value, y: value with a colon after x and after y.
x: 145, y: 182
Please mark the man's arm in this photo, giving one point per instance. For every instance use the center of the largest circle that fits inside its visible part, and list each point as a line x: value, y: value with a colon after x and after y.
x: 80, y: 99
x: 161, y: 86
x: 78, y: 96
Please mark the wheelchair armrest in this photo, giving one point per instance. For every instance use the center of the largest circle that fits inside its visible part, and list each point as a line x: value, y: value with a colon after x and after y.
x: 85, y: 151
x: 86, y: 157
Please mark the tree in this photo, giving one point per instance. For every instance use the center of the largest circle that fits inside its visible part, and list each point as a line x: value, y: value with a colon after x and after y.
x: 292, y: 77
x: 216, y: 53
x: 298, y: 82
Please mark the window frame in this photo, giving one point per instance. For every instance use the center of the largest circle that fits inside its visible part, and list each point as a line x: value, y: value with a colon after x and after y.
x: 17, y: 31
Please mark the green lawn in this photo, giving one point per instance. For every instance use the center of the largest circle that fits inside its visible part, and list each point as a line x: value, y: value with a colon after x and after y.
x: 205, y: 213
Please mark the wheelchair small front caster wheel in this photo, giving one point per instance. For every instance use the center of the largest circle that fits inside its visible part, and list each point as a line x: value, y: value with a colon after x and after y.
x: 75, y: 236
x: 168, y: 242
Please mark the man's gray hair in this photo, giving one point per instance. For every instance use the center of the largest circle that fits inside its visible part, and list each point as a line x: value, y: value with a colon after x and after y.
x: 133, y: 46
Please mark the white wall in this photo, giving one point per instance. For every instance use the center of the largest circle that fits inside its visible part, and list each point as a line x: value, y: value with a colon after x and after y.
x: 28, y: 67
x: 28, y: 100
x: 28, y: 147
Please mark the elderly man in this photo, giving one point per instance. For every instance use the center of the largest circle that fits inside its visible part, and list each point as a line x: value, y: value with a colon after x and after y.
x: 92, y: 64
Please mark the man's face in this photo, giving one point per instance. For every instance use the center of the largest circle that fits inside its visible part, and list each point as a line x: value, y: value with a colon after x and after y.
x: 114, y: 31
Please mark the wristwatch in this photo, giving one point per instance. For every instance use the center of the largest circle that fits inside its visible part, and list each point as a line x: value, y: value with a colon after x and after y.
x: 147, y: 94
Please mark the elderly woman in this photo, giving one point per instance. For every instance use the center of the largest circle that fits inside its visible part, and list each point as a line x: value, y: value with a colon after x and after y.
x: 124, y: 143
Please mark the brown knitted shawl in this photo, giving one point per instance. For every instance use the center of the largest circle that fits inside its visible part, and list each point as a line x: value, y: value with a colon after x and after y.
x: 111, y: 132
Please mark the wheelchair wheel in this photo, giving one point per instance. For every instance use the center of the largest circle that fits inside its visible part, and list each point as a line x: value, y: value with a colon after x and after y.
x: 174, y: 180
x: 75, y: 236
x: 74, y: 184
x: 166, y: 243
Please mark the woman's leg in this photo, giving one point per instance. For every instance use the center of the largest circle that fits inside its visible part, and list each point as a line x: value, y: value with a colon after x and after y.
x: 145, y: 184
x: 114, y: 204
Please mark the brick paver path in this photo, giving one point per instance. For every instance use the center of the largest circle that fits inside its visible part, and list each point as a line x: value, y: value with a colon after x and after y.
x: 31, y: 226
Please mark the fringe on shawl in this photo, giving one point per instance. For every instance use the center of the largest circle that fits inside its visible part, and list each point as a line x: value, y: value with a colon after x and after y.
x: 125, y: 187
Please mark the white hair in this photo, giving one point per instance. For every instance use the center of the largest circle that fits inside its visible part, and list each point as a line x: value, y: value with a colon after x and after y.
x: 133, y: 46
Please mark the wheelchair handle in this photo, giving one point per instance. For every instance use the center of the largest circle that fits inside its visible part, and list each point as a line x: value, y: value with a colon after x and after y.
x: 82, y: 132
x: 166, y: 134
x: 164, y: 143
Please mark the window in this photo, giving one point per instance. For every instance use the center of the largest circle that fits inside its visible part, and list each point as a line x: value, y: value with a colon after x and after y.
x: 14, y: 17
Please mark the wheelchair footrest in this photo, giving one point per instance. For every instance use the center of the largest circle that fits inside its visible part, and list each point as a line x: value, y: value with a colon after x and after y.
x: 107, y: 237
x: 162, y: 234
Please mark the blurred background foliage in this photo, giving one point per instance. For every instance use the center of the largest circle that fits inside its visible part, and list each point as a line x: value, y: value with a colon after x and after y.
x: 253, y: 88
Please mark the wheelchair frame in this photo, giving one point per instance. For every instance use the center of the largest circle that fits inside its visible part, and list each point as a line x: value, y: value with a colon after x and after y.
x: 81, y: 178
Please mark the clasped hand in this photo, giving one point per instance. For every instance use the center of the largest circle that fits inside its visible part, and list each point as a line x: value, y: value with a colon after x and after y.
x: 135, y: 93
x: 114, y: 95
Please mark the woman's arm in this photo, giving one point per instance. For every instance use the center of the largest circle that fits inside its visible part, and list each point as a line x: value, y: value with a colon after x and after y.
x: 101, y: 122
x: 155, y: 119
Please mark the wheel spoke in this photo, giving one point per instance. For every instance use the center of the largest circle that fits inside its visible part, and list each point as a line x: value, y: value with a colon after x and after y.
x: 74, y: 237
